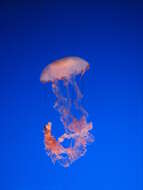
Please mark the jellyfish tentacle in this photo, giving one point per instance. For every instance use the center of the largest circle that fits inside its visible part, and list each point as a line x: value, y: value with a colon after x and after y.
x: 77, y: 101
x: 61, y: 105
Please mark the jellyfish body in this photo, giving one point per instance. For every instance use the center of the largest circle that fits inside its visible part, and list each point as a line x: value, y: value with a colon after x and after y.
x: 64, y: 69
x: 77, y: 129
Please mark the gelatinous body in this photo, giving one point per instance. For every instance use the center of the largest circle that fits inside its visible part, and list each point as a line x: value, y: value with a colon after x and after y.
x: 77, y: 129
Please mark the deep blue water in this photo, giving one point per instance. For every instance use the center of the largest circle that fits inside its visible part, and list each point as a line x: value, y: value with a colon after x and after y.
x: 110, y: 36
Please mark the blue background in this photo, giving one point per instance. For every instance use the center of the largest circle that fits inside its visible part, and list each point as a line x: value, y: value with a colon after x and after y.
x: 110, y: 36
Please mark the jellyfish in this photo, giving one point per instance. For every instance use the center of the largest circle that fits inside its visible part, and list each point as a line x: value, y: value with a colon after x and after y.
x: 63, y: 74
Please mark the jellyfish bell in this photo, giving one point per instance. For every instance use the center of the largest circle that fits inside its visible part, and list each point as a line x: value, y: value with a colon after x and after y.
x: 77, y: 129
x: 64, y: 69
